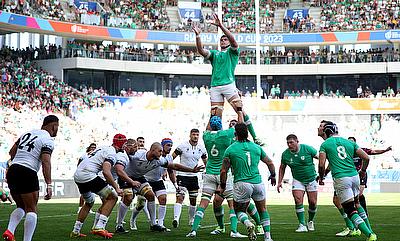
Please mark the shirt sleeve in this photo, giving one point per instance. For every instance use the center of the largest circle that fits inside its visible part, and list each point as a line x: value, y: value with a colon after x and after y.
x: 178, y: 151
x: 263, y: 154
x: 322, y: 148
x: 312, y: 151
x: 47, y: 146
x: 234, y: 51
x: 211, y: 55
x: 110, y: 157
x: 122, y: 159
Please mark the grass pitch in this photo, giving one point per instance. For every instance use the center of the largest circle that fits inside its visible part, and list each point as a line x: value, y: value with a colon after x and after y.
x: 56, y: 222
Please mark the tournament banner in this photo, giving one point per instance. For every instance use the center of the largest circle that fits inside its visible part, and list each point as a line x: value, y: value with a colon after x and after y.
x: 296, y: 13
x: 25, y: 23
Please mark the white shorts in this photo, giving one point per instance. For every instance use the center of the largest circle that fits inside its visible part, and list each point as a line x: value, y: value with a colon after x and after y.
x: 218, y: 93
x: 244, y: 191
x: 347, y: 188
x: 211, y: 183
x: 311, y: 187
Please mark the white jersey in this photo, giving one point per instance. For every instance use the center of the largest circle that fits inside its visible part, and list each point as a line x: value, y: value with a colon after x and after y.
x: 190, y: 156
x: 156, y: 174
x: 90, y: 167
x: 138, y: 165
x: 31, y: 145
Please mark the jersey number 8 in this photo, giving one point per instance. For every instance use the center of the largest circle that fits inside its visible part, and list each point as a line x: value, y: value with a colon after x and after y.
x: 341, y: 152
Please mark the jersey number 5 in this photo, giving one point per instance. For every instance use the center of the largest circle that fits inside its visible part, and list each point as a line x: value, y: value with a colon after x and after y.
x: 27, y: 142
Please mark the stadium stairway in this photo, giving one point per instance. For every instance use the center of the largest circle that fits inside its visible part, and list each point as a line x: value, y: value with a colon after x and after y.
x: 173, y: 15
x: 278, y: 19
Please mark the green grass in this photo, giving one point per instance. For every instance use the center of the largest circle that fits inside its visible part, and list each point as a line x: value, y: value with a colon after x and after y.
x: 56, y: 222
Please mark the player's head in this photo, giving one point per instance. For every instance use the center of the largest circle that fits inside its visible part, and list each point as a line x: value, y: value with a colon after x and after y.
x: 155, y: 151
x: 119, y: 141
x: 292, y: 142
x: 194, y: 135
x: 330, y: 129
x: 321, y: 127
x: 232, y: 123
x: 91, y: 147
x: 140, y: 142
x: 215, y: 123
x: 351, y: 138
x: 241, y: 132
x: 130, y: 146
x: 50, y: 124
x: 224, y: 42
x: 3, y: 195
x: 166, y: 144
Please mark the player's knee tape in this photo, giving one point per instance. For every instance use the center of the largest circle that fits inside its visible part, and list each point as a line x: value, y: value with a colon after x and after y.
x: 89, y: 198
x: 237, y: 103
x: 217, y: 107
x: 141, y: 201
x: 128, y: 191
x: 193, y: 194
x: 105, y: 192
x: 349, y: 208
x: 206, y: 196
x: 145, y: 190
x: 181, y: 191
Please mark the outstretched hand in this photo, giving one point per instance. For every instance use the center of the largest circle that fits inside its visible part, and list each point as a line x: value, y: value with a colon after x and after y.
x: 196, y: 29
x: 216, y: 22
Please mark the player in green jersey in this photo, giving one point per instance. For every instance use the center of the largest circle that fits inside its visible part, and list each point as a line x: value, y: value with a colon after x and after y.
x: 216, y: 142
x: 243, y: 157
x: 340, y: 152
x: 299, y: 157
x: 223, y: 73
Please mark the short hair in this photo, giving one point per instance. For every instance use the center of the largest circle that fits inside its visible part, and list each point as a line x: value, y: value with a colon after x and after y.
x: 241, y: 131
x: 91, y: 144
x: 130, y: 141
x: 223, y: 36
x: 194, y: 130
x: 292, y: 136
x: 49, y: 119
x: 155, y: 145
x: 352, y: 138
x: 140, y: 138
x: 330, y: 128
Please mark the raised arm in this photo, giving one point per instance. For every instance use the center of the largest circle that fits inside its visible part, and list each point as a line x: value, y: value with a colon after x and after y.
x: 377, y: 152
x: 203, y: 52
x: 229, y: 35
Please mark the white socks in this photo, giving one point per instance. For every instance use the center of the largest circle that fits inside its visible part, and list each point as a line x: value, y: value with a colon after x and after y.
x: 177, y: 211
x: 101, y: 224
x: 30, y: 225
x: 152, y: 211
x: 96, y: 219
x: 15, y: 217
x: 123, y: 209
x: 162, y: 209
x: 77, y: 227
x: 192, y: 211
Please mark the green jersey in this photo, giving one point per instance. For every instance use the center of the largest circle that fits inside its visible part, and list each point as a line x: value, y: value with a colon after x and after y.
x: 301, y: 163
x: 223, y: 66
x: 340, y: 153
x: 244, y: 158
x: 216, y: 142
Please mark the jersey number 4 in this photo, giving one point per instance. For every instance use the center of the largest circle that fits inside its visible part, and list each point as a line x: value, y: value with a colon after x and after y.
x: 27, y: 141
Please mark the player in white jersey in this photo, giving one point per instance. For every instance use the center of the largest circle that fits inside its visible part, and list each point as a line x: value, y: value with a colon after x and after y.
x: 156, y: 180
x: 139, y: 165
x: 89, y: 183
x: 89, y: 149
x: 190, y: 153
x: 32, y: 150
x: 127, y: 197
